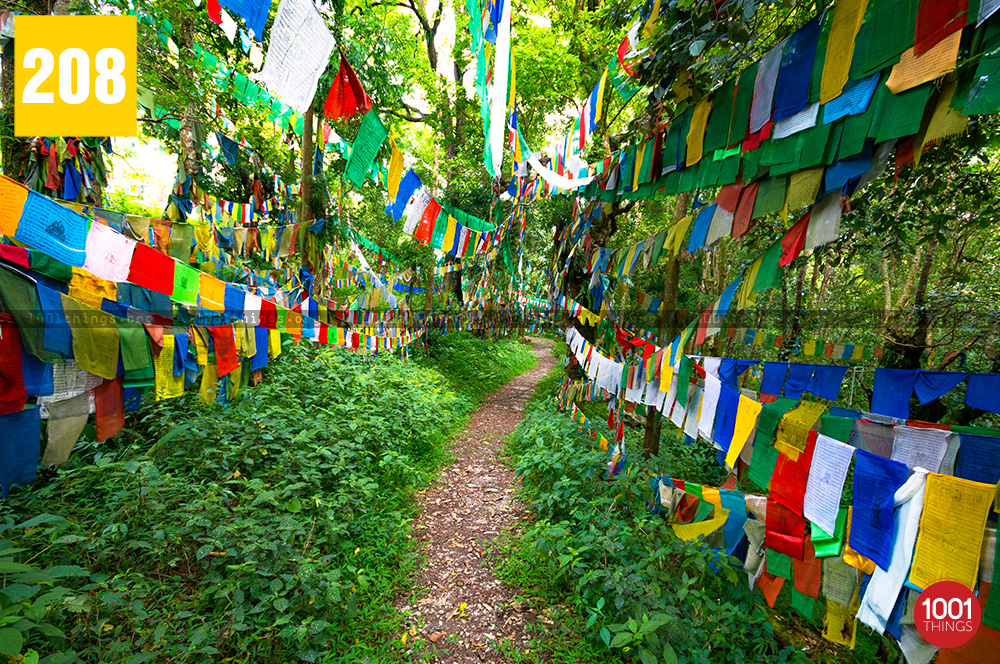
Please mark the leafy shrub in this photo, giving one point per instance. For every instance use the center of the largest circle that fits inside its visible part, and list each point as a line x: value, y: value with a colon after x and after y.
x: 274, y: 530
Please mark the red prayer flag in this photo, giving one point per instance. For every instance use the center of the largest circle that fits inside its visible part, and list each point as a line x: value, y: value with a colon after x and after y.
x: 268, y: 315
x: 729, y: 196
x: 788, y: 483
x: 784, y: 530
x: 425, y: 229
x: 753, y: 141
x: 214, y: 12
x: 225, y: 348
x: 346, y: 97
x: 808, y: 571
x: 794, y: 240
x: 770, y: 585
x: 109, y: 406
x: 622, y: 50
x: 744, y: 210
x: 936, y: 19
x: 13, y: 393
x: 151, y: 269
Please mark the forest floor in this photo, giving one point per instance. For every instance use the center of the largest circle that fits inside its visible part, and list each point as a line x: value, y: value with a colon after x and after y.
x: 458, y: 611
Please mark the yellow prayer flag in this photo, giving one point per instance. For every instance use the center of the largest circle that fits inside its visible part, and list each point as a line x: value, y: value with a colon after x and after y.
x: 746, y: 419
x: 168, y: 386
x: 794, y: 427
x: 666, y: 372
x: 204, y: 236
x: 744, y: 294
x: 293, y: 323
x: 847, y: 18
x: 13, y: 196
x: 654, y: 15
x: 803, y: 187
x: 598, y: 112
x: 273, y: 344
x: 696, y: 134
x: 395, y: 169
x: 809, y: 348
x: 675, y: 237
x: 208, y: 391
x: 913, y: 70
x: 951, y: 531
x: 945, y: 121
x: 212, y: 293
x: 840, y: 625
x: 689, y: 531
x: 91, y: 290
x: 639, y: 156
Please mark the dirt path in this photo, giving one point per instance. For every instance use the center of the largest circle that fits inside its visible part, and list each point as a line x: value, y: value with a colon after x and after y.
x: 467, y: 508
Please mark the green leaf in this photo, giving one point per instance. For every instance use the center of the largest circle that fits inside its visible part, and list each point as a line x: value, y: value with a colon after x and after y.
x: 293, y: 505
x: 10, y: 642
x: 621, y: 639
x: 669, y: 656
x: 170, y: 435
x: 13, y: 568
x: 606, y: 636
x: 646, y: 656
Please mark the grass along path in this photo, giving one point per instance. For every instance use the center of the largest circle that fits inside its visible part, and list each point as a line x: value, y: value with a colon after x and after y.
x: 458, y: 610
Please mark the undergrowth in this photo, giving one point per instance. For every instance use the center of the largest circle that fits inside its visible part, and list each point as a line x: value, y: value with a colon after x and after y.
x: 638, y: 592
x: 274, y: 530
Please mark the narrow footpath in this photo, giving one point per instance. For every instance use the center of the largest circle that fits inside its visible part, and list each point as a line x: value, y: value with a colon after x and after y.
x: 459, y: 611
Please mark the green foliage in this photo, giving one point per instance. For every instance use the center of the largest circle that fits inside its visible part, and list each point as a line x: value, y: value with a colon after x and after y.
x: 29, y: 595
x: 647, y: 595
x: 271, y: 531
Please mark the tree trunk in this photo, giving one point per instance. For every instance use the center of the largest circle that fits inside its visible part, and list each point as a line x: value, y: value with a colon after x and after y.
x: 667, y: 331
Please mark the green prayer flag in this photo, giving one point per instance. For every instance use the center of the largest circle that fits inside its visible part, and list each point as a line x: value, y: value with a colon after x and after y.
x: 991, y: 612
x: 619, y: 80
x: 804, y: 604
x: 186, y: 282
x: 367, y: 143
x: 770, y: 196
x: 741, y: 104
x: 815, y: 80
x: 888, y: 30
x: 779, y: 564
x: 683, y: 379
x: 136, y: 358
x: 900, y: 115
x: 440, y: 227
x: 829, y: 544
x: 838, y: 428
x: 720, y: 118
x: 646, y: 167
x: 50, y: 267
x: 769, y: 273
